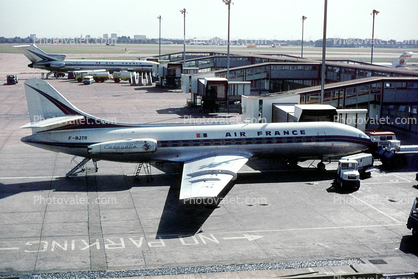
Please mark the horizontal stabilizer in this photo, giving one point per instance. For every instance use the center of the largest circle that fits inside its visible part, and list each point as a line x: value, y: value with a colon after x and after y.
x: 55, y: 121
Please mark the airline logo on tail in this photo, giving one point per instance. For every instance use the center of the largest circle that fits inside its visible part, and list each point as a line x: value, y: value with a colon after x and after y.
x: 402, y: 60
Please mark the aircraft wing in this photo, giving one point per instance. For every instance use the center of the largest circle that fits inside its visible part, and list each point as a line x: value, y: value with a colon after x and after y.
x: 206, y: 177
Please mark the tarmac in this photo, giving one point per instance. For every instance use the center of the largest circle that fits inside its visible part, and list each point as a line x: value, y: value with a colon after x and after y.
x: 275, y: 221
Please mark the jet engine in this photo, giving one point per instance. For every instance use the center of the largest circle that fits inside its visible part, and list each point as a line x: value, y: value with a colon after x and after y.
x: 124, y: 146
x: 57, y: 64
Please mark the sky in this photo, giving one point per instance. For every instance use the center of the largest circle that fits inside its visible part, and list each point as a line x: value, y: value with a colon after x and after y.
x: 205, y: 19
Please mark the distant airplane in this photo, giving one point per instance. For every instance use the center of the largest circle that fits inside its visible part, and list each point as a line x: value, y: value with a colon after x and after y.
x: 211, y: 155
x: 58, y: 63
x: 400, y: 62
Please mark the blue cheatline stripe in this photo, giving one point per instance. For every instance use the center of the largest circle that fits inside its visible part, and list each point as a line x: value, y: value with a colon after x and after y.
x: 253, y: 141
x: 225, y: 142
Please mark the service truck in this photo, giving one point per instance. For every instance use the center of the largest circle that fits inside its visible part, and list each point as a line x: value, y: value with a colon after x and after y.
x: 381, y: 138
x: 118, y: 76
x: 79, y: 75
x: 351, y: 168
x: 100, y: 76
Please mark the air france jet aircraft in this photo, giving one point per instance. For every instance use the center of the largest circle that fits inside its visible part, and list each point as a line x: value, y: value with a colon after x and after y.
x: 58, y: 63
x: 212, y: 154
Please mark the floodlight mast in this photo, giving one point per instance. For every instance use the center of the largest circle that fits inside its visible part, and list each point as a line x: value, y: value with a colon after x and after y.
x: 183, y: 12
x: 303, y: 22
x: 374, y: 13
x: 228, y: 2
x: 159, y: 40
x: 324, y: 48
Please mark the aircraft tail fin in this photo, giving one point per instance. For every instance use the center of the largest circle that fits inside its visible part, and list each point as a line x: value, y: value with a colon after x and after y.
x: 48, y: 109
x: 402, y: 60
x: 44, y: 101
x: 35, y: 54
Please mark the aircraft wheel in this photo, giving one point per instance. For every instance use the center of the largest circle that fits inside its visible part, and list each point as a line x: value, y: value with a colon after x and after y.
x: 321, y: 166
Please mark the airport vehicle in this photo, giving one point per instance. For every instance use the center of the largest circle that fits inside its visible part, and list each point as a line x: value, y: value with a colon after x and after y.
x: 364, y: 162
x: 118, y: 76
x: 351, y: 168
x: 79, y: 75
x: 348, y: 175
x: 12, y: 79
x: 88, y: 80
x: 413, y: 218
x: 400, y: 62
x: 381, y: 138
x: 58, y: 63
x: 398, y: 156
x: 71, y: 75
x: 211, y: 155
x: 100, y: 76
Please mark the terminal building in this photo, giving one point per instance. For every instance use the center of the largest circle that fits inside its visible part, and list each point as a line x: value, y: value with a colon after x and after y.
x: 390, y: 95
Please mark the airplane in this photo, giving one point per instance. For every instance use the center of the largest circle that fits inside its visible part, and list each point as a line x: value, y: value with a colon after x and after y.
x: 58, y: 63
x: 211, y: 155
x: 400, y: 62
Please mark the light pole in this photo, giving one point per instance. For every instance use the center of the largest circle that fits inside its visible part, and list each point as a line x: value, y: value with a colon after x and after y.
x: 159, y: 40
x: 303, y: 22
x: 374, y: 13
x: 228, y: 2
x: 184, y: 39
x: 324, y: 48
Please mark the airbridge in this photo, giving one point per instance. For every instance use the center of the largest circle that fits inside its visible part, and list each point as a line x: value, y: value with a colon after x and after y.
x: 390, y: 101
x: 270, y: 73
x: 384, y: 91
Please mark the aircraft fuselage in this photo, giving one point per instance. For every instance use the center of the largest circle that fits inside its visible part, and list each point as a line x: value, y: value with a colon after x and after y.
x: 181, y: 143
x: 85, y: 64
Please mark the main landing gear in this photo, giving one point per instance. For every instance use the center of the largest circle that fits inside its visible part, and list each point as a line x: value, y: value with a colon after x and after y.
x: 321, y: 166
x: 80, y: 167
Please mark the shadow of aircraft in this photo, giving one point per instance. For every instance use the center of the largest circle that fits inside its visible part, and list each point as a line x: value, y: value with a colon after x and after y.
x: 177, y: 219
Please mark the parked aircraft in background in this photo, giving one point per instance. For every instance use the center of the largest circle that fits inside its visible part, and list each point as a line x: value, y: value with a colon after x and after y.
x: 400, y: 62
x: 59, y: 63
x: 212, y: 154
